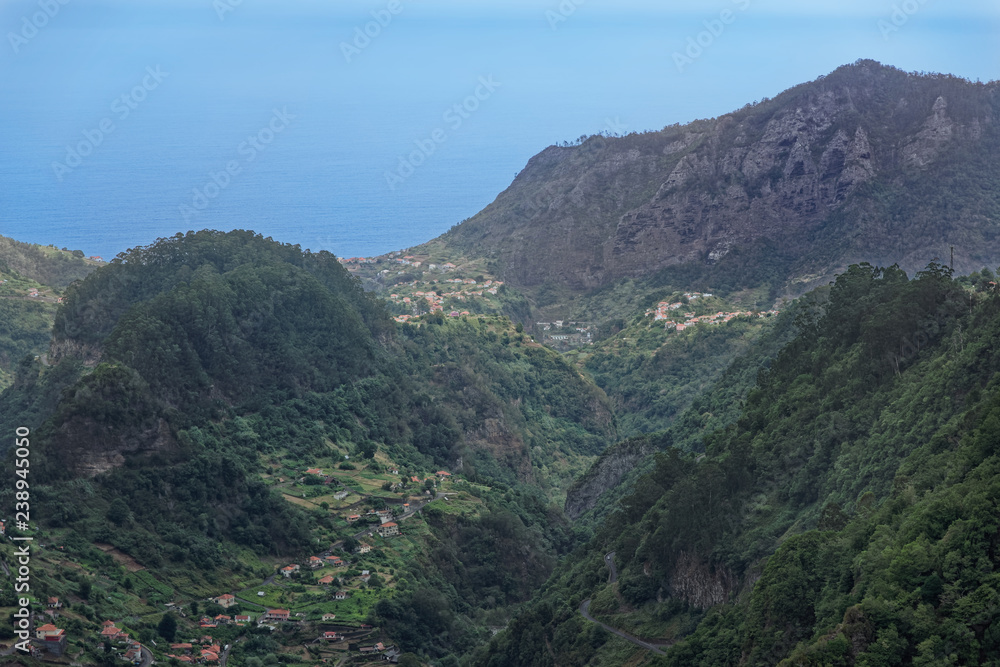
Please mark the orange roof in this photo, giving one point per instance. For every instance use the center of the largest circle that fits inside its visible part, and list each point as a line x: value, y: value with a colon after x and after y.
x: 227, y: 596
x: 443, y: 473
x: 283, y: 612
x: 389, y: 524
x: 48, y: 627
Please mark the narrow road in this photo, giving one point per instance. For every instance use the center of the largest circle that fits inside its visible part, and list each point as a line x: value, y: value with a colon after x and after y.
x: 147, y: 656
x: 609, y: 560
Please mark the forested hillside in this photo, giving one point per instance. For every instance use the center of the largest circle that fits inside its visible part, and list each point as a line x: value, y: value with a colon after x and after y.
x: 183, y: 374
x: 847, y: 517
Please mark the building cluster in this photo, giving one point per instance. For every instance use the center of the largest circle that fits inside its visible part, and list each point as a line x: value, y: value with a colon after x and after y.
x: 562, y: 334
x: 115, y: 635
x: 434, y: 302
x: 663, y: 309
x: 667, y: 313
x: 203, y: 652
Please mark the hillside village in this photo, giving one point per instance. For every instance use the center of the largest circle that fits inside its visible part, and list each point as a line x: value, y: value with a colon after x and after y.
x: 317, y: 606
x: 422, y: 298
x: 666, y: 312
x: 419, y: 284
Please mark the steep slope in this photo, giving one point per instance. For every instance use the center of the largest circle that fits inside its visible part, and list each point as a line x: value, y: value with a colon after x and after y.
x: 191, y: 382
x: 31, y: 280
x: 847, y: 517
x: 44, y: 264
x: 866, y: 164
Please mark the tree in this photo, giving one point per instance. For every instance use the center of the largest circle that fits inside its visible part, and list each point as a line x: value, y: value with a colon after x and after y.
x: 84, y: 589
x: 167, y: 627
x: 409, y: 660
x: 118, y: 513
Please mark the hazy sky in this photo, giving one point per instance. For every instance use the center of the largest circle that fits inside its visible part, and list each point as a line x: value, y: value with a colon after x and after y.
x: 363, y: 102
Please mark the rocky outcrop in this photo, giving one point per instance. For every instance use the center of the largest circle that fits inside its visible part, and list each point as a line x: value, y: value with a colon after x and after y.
x: 605, y: 474
x: 809, y: 172
x: 700, y: 584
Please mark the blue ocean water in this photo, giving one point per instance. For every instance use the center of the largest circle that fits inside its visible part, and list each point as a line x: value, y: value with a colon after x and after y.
x: 121, y: 118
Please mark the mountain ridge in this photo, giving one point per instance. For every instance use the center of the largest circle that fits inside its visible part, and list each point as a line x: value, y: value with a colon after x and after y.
x: 814, y: 179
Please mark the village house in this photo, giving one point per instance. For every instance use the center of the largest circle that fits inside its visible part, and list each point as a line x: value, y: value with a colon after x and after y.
x: 327, y: 580
x: 329, y: 617
x: 275, y: 615
x: 289, y: 570
x: 225, y: 600
x: 222, y: 619
x: 363, y: 548
x: 331, y: 636
x: 315, y: 562
x: 340, y: 495
x: 54, y: 603
x: 52, y: 637
x: 112, y: 633
x: 341, y: 595
x: 388, y: 529
x: 354, y: 517
x: 243, y: 620
x: 134, y: 654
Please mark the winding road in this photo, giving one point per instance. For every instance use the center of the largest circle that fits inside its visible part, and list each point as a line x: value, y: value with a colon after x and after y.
x: 609, y: 560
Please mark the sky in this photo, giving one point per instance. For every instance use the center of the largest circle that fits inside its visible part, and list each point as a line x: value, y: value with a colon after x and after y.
x: 356, y: 87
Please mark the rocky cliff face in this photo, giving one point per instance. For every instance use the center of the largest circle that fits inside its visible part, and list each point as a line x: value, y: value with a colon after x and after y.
x: 606, y: 473
x: 836, y: 171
